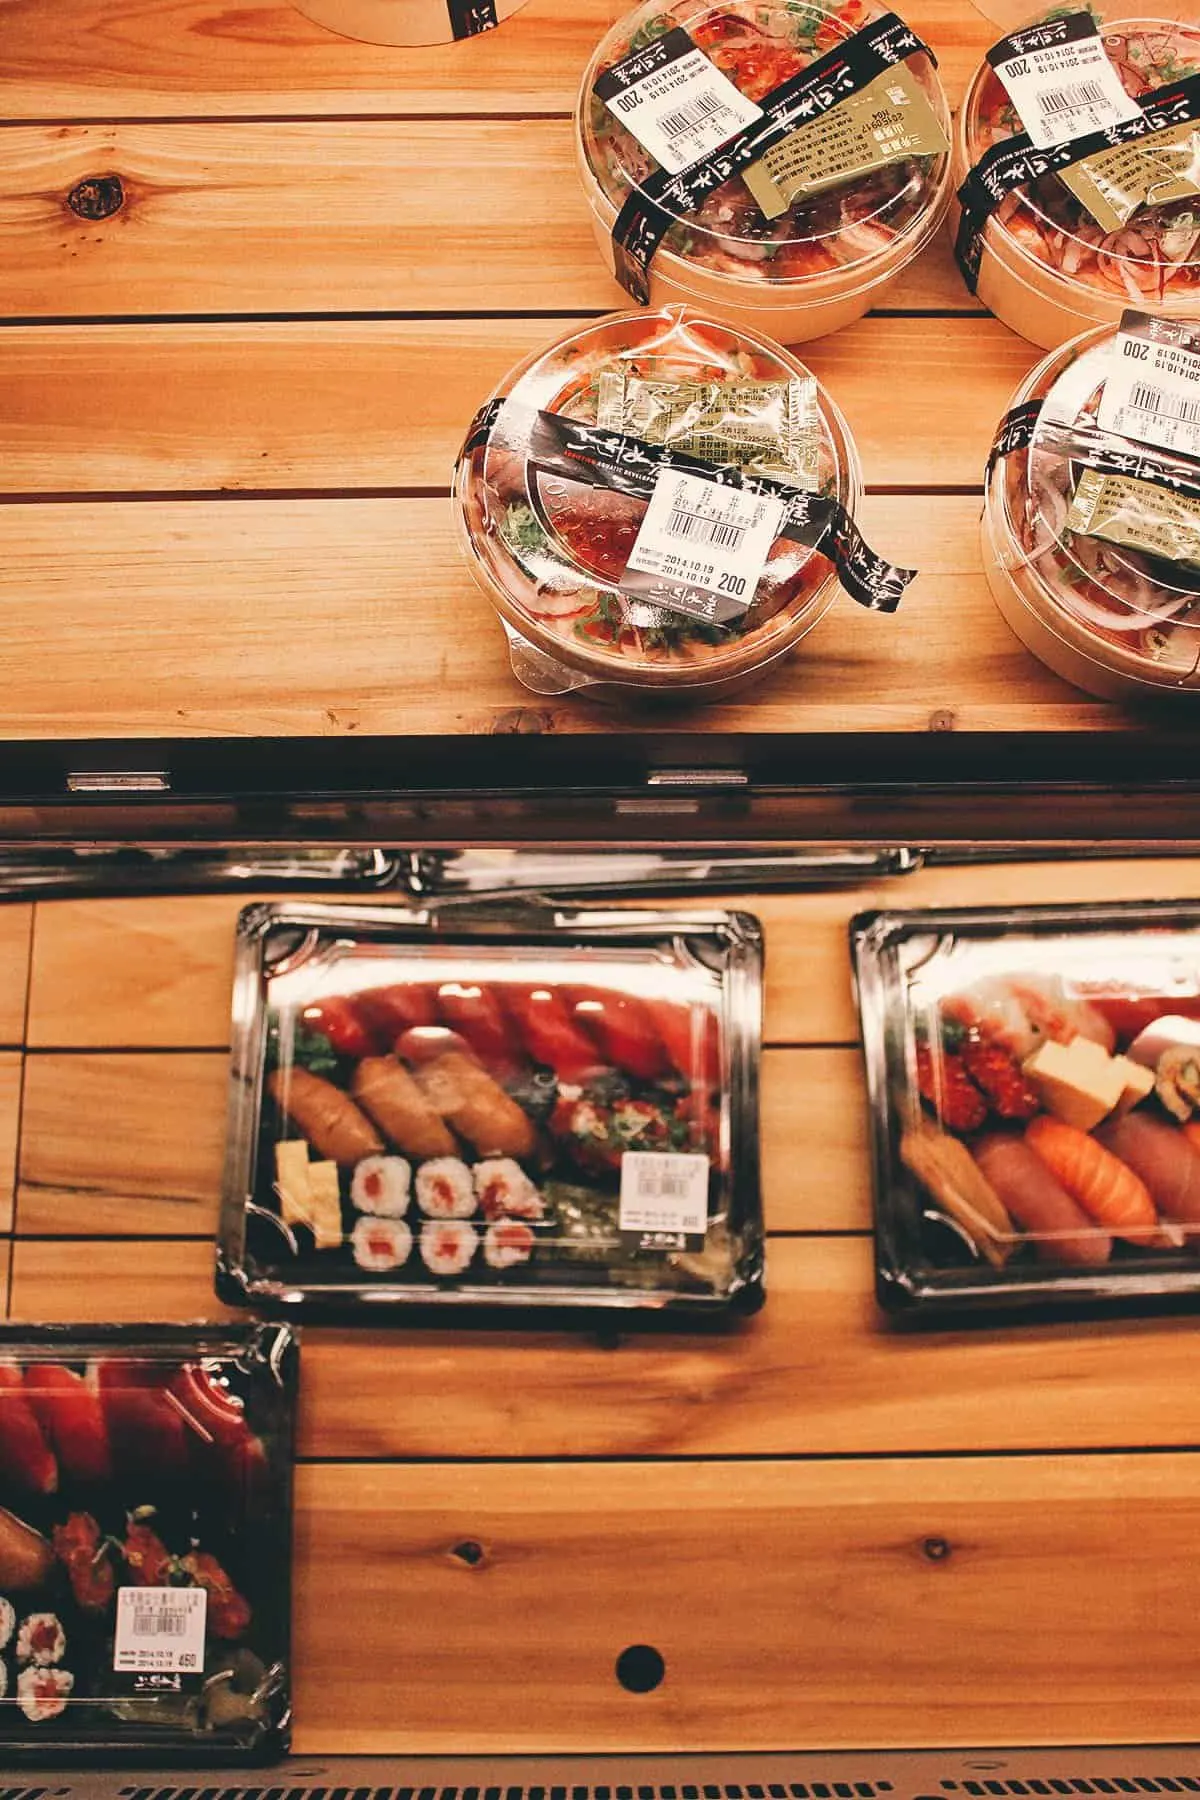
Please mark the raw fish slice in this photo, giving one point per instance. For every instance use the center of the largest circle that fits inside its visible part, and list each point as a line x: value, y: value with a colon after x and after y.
x: 145, y: 1423
x: 68, y: 1410
x: 1062, y: 1232
x: 26, y: 1459
x: 1165, y: 1161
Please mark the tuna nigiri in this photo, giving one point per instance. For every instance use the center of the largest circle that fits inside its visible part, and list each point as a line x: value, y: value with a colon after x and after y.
x: 476, y: 1014
x: 68, y: 1410
x: 1061, y: 1231
x: 550, y: 1035
x: 25, y: 1457
x: 1103, y: 1186
x: 623, y: 1028
x: 1164, y: 1159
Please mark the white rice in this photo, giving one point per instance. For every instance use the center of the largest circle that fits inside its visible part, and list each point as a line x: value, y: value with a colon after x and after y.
x: 444, y: 1189
x: 51, y: 1640
x: 8, y: 1622
x: 447, y: 1245
x: 381, y: 1186
x: 43, y: 1693
x: 381, y: 1243
x: 505, y: 1191
x: 508, y: 1242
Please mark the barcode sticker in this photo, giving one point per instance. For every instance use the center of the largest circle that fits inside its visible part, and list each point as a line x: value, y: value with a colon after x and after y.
x: 1061, y: 81
x: 706, y: 545
x: 160, y: 1630
x: 664, y: 1199
x: 678, y: 104
x: 1152, y: 393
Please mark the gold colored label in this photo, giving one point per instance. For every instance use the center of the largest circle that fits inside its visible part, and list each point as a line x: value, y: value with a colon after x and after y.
x: 1138, y: 515
x: 1150, y: 171
x: 885, y: 122
x: 765, y: 427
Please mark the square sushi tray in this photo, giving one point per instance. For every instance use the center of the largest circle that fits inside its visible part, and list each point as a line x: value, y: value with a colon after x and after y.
x: 145, y: 1542
x: 494, y: 1108
x: 1033, y: 1077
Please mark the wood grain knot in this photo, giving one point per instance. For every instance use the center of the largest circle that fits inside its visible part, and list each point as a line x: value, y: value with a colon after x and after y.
x: 97, y: 197
x: 942, y: 720
x: 937, y: 1549
x: 523, y: 721
x: 469, y: 1552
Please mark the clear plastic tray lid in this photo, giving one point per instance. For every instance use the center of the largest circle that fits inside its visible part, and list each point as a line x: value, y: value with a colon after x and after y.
x: 145, y: 1527
x: 1103, y: 487
x: 1011, y: 15
x: 677, y: 107
x: 538, y: 1107
x: 1035, y: 1080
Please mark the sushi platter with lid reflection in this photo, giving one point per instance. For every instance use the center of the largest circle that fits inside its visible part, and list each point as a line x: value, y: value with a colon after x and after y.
x: 494, y: 1108
x: 145, y: 1542
x: 1034, y: 1085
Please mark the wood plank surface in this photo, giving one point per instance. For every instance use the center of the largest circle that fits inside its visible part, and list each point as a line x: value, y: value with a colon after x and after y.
x: 341, y: 405
x: 126, y: 1144
x: 825, y: 1620
x: 817, y: 1372
x: 158, y: 972
x: 16, y: 929
x: 299, y: 617
x: 312, y: 216
x: 10, y: 1122
x: 120, y: 59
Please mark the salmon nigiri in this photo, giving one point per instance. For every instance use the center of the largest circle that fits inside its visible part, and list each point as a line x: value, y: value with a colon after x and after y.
x: 1101, y: 1184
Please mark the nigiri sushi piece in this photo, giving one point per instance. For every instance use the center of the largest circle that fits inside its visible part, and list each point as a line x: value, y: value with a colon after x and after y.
x: 380, y: 1243
x: 68, y: 1410
x: 381, y: 1185
x: 43, y: 1693
x: 506, y: 1243
x: 25, y: 1455
x: 1104, y: 1186
x: 1061, y: 1231
x: 445, y: 1189
x: 505, y: 1191
x: 1022, y: 1011
x: 447, y: 1245
x: 1164, y: 1159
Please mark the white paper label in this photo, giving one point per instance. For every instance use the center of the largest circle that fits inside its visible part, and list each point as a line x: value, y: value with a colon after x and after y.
x: 1153, y: 392
x: 664, y: 1194
x: 699, y: 534
x: 683, y: 110
x: 160, y: 1630
x: 1064, y: 91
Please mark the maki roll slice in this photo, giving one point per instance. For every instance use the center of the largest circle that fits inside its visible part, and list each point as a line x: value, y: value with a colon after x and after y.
x: 381, y: 1185
x: 8, y: 1622
x: 447, y: 1246
x: 41, y: 1640
x: 507, y: 1243
x: 380, y: 1243
x: 505, y: 1191
x: 43, y: 1693
x: 444, y: 1189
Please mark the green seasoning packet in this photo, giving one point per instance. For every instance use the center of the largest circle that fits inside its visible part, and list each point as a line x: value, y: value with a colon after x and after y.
x: 1138, y: 515
x: 1150, y: 171
x: 766, y: 427
x: 885, y: 122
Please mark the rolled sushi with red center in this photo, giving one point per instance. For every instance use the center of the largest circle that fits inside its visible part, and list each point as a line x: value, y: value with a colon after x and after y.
x: 41, y: 1640
x: 505, y: 1191
x: 43, y: 1693
x: 447, y: 1245
x: 380, y: 1243
x: 381, y: 1186
x: 507, y: 1243
x: 444, y: 1189
x: 8, y: 1622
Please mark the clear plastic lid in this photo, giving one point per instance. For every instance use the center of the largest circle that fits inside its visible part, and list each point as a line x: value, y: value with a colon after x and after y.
x: 1034, y: 1079
x: 1109, y: 558
x: 145, y: 1541
x: 525, y: 1108
x: 555, y: 551
x: 1125, y: 223
x: 836, y: 221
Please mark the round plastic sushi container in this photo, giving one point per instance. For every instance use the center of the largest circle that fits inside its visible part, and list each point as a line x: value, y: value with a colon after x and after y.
x: 1048, y: 268
x: 1115, y: 619
x: 552, y: 553
x: 408, y: 21
x: 822, y: 260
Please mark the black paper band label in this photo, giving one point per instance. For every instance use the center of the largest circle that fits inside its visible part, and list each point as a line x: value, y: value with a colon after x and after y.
x: 1054, y: 32
x: 600, y: 457
x: 649, y: 211
x: 469, y: 17
x: 1017, y: 162
x: 1089, y: 446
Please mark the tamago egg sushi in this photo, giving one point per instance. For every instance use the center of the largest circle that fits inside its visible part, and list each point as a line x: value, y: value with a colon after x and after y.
x: 444, y: 1189
x: 447, y: 1245
x: 381, y: 1185
x: 380, y: 1243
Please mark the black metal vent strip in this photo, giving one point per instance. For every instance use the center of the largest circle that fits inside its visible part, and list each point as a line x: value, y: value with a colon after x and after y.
x: 1078, y: 1784
x: 776, y: 1790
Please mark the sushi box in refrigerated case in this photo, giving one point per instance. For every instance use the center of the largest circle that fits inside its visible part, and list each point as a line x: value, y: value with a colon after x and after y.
x: 460, y: 1108
x: 145, y: 1543
x: 1033, y: 1079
